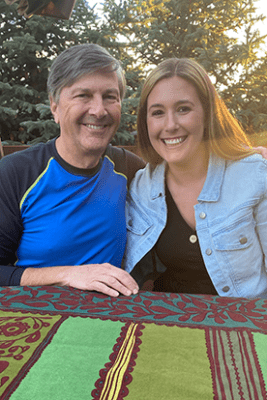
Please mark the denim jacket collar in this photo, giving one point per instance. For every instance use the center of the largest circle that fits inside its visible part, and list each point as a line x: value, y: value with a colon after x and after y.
x: 158, y: 181
x: 211, y: 190
x: 213, y: 184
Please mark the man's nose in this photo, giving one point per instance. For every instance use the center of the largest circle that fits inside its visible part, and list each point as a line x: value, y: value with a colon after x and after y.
x: 97, y: 107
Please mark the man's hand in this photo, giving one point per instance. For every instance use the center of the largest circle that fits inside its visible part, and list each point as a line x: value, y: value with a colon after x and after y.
x: 261, y: 150
x: 103, y: 278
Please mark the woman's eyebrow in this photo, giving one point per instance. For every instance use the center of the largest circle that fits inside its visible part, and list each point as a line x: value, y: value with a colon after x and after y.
x: 178, y: 102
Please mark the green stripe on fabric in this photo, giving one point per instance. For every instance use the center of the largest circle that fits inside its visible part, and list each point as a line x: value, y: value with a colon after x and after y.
x: 70, y: 364
x: 172, y: 364
x: 260, y: 342
x: 20, y: 336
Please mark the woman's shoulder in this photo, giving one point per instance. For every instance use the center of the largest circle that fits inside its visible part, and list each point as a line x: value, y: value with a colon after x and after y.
x: 148, y: 179
x: 254, y: 158
x: 149, y: 173
x: 250, y: 170
x: 249, y: 163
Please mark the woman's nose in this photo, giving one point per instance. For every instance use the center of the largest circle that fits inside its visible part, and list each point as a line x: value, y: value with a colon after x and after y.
x: 171, y: 121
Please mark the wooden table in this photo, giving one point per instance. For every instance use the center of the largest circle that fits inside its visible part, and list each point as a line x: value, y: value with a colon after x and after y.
x: 61, y: 343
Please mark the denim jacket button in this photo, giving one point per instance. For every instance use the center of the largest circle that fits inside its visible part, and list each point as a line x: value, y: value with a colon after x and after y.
x: 130, y: 222
x: 225, y: 289
x: 243, y: 240
x: 208, y: 252
x: 202, y: 215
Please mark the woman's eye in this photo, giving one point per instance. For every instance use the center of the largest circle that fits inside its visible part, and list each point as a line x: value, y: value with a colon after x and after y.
x: 157, y: 112
x: 183, y: 109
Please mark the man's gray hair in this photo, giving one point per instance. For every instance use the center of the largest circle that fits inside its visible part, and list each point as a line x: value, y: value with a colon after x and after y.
x: 80, y: 60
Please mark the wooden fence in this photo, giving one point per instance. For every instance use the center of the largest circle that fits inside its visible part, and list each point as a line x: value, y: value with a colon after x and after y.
x: 8, y: 149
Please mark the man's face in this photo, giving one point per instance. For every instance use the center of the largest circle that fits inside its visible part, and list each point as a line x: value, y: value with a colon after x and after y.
x: 88, y: 113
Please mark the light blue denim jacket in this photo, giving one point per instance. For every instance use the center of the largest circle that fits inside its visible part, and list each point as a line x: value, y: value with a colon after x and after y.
x: 231, y: 224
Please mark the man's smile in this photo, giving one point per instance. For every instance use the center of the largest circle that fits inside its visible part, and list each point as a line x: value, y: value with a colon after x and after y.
x: 95, y: 127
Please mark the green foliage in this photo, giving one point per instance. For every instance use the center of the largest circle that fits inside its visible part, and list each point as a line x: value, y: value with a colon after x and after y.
x: 29, y: 46
x: 220, y: 34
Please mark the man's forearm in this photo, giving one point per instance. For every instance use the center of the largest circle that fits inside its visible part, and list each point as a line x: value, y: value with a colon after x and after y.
x: 44, y: 276
x: 104, y: 278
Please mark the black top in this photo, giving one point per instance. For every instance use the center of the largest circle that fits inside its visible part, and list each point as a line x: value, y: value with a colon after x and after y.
x: 178, y: 249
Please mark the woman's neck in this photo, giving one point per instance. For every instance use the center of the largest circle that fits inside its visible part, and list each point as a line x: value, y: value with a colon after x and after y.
x: 187, y: 174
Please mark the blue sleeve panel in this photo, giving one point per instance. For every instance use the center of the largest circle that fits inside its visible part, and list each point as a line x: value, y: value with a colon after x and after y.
x: 54, y: 214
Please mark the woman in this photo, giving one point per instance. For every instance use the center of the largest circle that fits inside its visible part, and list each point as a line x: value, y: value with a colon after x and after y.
x: 197, y: 214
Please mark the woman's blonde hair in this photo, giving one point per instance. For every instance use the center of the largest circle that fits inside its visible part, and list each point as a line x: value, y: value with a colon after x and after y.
x: 223, y: 133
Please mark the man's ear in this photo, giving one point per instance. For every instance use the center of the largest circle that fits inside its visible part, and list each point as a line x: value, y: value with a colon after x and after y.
x: 53, y: 108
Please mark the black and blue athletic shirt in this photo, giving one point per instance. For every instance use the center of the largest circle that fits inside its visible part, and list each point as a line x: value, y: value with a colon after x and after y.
x: 53, y: 214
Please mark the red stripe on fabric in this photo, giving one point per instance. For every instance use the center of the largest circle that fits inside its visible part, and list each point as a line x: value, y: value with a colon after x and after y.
x: 211, y: 360
x: 246, y: 361
x: 238, y: 380
x: 257, y: 367
x: 215, y: 365
x: 228, y: 374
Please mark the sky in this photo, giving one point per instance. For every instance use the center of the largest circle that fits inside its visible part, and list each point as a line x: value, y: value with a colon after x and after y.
x: 261, y: 6
x: 262, y: 9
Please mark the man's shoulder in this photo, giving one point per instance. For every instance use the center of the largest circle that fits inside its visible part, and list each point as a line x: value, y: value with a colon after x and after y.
x: 125, y: 162
x: 22, y: 158
x: 22, y: 168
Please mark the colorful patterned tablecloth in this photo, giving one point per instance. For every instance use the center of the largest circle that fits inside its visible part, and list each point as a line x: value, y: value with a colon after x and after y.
x: 61, y: 343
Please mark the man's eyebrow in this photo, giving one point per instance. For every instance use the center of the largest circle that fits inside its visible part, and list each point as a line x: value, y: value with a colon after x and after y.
x: 86, y: 90
x: 81, y: 89
x: 112, y: 90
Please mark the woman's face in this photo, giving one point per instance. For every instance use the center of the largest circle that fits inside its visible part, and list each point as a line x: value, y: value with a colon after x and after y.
x: 176, y: 121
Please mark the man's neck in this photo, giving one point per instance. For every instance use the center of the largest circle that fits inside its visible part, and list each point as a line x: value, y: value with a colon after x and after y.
x: 71, y: 156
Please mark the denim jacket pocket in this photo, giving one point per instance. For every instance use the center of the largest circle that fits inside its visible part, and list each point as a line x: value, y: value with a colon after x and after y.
x: 237, y: 236
x: 137, y: 222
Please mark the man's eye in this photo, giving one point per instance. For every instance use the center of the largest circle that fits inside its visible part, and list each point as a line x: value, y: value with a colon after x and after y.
x: 82, y: 95
x: 112, y: 97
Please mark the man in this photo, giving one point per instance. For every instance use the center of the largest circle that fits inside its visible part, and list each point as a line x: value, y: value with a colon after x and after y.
x: 62, y: 203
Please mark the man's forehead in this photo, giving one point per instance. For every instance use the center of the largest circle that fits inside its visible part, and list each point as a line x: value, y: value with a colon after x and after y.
x: 107, y: 81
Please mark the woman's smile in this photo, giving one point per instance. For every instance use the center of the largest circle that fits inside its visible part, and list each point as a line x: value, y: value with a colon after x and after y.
x: 175, y: 121
x: 174, y: 141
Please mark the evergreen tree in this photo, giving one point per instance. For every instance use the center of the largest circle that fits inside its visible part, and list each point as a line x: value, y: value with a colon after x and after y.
x: 220, y: 34
x: 29, y: 46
